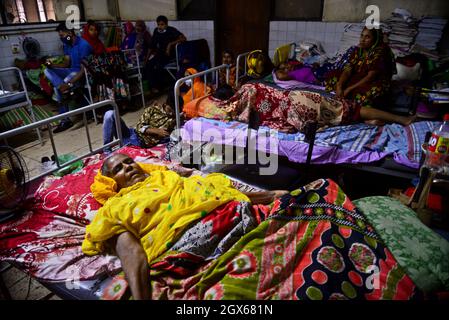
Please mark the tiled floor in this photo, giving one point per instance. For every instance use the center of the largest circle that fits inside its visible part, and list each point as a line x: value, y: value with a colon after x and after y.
x: 72, y: 141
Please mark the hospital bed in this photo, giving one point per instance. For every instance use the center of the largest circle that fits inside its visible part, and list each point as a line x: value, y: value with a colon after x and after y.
x: 392, y: 150
x: 45, y: 242
x: 12, y: 99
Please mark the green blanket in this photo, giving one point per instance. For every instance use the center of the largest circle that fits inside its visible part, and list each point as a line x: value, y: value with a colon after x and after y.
x: 419, y: 250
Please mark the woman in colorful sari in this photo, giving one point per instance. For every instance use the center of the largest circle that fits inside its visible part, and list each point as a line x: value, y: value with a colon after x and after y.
x: 91, y: 34
x: 143, y: 41
x: 366, y: 77
x: 148, y: 207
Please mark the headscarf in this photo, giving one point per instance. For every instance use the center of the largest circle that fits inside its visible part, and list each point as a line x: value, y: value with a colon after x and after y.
x: 380, y: 45
x: 130, y: 36
x: 95, y: 42
x: 104, y: 187
x: 143, y: 39
x: 198, y: 87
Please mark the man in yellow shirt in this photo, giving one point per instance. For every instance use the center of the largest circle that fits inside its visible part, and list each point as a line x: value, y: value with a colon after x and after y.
x: 147, y: 207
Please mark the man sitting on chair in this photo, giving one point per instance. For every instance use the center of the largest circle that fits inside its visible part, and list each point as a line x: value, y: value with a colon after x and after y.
x: 65, y: 75
x: 162, y: 51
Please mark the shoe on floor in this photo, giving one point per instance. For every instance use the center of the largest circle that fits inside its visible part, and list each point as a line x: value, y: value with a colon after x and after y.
x: 63, y: 126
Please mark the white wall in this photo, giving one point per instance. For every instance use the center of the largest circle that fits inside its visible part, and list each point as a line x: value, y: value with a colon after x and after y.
x: 51, y: 45
x: 60, y: 7
x: 97, y: 10
x: 327, y: 33
x: 147, y: 10
x: 354, y: 10
x: 47, y: 37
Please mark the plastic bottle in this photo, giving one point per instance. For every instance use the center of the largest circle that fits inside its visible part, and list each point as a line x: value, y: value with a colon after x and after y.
x: 438, y: 148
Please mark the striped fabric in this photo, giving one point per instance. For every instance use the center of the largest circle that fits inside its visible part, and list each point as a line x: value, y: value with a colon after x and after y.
x: 21, y: 117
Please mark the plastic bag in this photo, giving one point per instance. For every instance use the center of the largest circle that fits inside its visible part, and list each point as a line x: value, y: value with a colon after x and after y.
x: 73, y: 168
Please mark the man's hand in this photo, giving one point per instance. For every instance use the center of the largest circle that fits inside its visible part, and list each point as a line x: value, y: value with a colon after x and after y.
x: 167, y: 52
x: 161, y: 133
x: 64, y: 88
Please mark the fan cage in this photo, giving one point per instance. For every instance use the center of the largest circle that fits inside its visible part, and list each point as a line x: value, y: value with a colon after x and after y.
x: 13, y: 179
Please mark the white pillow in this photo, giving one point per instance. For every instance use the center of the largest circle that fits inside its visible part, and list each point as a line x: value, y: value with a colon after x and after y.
x: 407, y: 73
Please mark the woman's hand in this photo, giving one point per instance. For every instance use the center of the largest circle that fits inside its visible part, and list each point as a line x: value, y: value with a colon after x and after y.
x: 64, y: 88
x: 135, y: 265
x: 161, y: 133
x: 347, y: 92
x: 265, y: 197
x: 339, y: 91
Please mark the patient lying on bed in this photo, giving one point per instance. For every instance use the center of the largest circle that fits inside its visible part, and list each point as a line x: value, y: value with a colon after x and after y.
x: 287, y: 110
x: 146, y: 209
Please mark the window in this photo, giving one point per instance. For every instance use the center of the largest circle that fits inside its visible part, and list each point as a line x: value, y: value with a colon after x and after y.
x: 27, y: 11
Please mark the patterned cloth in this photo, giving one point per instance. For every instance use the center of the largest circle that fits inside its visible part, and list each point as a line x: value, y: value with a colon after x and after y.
x: 371, y: 94
x: 283, y: 110
x: 422, y: 252
x: 232, y: 76
x: 310, y: 245
x: 155, y: 116
x: 356, y: 143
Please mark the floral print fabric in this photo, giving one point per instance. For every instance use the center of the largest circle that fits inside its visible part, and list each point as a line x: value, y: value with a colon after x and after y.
x: 422, y: 252
x: 360, y: 63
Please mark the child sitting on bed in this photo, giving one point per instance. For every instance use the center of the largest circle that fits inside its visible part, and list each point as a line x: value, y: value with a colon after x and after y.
x: 147, y: 207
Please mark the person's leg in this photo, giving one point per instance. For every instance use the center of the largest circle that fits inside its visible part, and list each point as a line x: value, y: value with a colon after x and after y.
x: 376, y: 115
x: 154, y: 71
x: 58, y: 76
x: 109, y: 129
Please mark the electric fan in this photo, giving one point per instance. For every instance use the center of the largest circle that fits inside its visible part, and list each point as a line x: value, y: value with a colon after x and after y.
x: 31, y: 47
x: 13, y: 182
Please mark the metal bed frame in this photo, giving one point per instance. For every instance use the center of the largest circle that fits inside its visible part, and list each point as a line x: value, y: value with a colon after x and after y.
x: 26, y: 103
x: 47, y: 123
x: 203, y: 74
x: 384, y: 167
x: 85, y: 290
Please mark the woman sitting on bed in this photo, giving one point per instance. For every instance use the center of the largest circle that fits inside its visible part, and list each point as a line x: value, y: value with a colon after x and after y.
x: 366, y: 77
x: 147, y: 207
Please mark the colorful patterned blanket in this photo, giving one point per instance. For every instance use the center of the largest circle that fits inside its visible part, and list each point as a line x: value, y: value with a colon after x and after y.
x: 357, y: 143
x: 312, y: 244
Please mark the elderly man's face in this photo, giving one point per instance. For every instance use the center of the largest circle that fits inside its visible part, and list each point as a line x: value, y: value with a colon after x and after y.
x: 124, y: 171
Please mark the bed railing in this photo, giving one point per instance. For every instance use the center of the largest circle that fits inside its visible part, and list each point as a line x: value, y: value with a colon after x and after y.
x: 47, y: 123
x: 203, y: 74
x: 239, y: 64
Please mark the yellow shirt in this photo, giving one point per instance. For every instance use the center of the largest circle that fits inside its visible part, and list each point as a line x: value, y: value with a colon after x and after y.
x: 158, y: 210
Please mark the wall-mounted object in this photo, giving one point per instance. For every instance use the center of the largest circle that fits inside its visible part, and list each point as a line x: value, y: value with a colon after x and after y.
x: 15, y: 48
